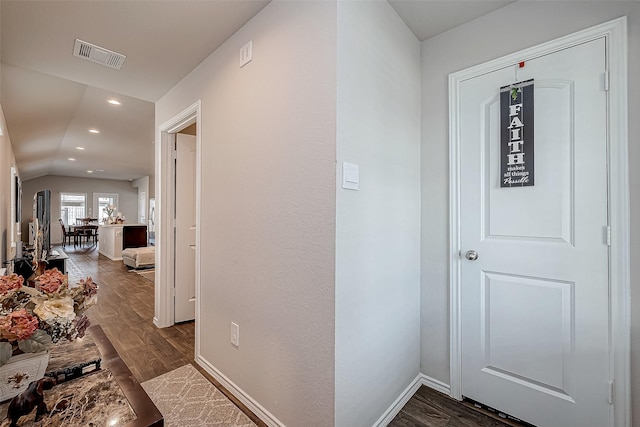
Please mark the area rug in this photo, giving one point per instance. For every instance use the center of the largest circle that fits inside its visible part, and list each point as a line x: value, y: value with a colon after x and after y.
x: 186, y: 398
x: 75, y: 274
x: 149, y: 274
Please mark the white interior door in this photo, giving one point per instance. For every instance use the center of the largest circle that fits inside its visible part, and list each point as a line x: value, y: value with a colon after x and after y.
x: 185, y: 230
x: 535, y: 303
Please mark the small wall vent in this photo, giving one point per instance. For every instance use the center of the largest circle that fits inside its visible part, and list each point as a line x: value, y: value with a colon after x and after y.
x: 98, y: 54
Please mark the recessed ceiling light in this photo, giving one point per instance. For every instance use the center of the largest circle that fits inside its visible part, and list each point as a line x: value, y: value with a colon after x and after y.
x: 71, y: 159
x: 94, y: 131
x: 89, y: 171
x: 99, y: 170
x: 80, y: 148
x: 114, y: 102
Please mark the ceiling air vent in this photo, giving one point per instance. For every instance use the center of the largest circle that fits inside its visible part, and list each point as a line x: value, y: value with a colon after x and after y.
x: 98, y: 54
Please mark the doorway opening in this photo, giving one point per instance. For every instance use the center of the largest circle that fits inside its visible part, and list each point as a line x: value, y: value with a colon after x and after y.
x: 184, y: 218
x: 169, y: 133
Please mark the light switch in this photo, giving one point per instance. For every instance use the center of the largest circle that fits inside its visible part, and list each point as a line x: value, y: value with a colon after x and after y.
x: 246, y: 54
x: 235, y: 334
x: 350, y: 176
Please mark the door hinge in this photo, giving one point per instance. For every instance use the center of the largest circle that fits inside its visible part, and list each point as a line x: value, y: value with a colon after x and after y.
x: 605, y: 81
x: 611, y: 387
x: 607, y: 235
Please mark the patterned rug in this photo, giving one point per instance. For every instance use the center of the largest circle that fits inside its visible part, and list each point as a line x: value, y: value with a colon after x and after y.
x: 149, y: 274
x: 75, y: 274
x: 188, y: 399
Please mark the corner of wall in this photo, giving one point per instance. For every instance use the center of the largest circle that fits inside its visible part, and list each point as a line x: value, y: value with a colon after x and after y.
x: 378, y: 225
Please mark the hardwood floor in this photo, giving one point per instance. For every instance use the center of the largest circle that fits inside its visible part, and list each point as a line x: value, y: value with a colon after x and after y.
x: 125, y: 312
x: 429, y: 408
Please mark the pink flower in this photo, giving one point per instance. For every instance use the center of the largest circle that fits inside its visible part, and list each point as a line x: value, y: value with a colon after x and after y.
x: 51, y: 281
x: 8, y: 283
x: 89, y: 287
x: 18, y: 325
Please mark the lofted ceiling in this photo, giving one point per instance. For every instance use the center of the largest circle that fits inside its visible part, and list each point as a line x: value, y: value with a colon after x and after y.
x: 51, y: 98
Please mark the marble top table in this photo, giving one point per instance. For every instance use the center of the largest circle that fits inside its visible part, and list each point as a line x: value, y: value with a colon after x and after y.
x: 109, y: 396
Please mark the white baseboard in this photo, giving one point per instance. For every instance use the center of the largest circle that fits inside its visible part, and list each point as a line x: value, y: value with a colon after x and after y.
x: 435, y: 384
x: 267, y: 417
x: 408, y: 393
x: 272, y: 421
x: 399, y: 403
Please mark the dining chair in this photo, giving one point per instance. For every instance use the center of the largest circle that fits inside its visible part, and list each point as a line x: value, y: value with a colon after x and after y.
x: 67, y: 235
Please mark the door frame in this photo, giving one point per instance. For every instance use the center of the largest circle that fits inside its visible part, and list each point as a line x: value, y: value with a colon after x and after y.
x: 615, y: 34
x: 164, y: 314
x: 95, y: 203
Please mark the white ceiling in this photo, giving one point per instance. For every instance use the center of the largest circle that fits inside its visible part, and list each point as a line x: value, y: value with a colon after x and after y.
x: 51, y: 98
x: 428, y: 18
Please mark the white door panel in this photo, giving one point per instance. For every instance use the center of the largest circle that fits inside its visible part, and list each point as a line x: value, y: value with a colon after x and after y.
x: 185, y: 238
x: 547, y: 205
x: 535, y: 319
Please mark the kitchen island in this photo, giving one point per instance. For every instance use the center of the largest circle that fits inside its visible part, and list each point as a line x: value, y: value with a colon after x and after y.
x: 116, y: 237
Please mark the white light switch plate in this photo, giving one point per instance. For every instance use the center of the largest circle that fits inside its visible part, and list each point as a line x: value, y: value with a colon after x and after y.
x: 350, y: 176
x: 246, y: 54
x: 235, y: 334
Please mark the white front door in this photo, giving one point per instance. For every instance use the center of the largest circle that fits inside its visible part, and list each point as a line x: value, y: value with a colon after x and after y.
x: 535, y: 302
x: 185, y: 237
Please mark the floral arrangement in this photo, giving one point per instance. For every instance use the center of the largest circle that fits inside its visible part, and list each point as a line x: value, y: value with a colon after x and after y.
x: 109, y: 210
x: 34, y: 318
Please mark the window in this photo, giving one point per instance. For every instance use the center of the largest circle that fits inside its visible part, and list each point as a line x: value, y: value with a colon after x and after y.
x: 100, y: 201
x: 72, y: 207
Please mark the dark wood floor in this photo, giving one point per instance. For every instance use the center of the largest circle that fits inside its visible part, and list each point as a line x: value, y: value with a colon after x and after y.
x: 429, y: 408
x: 125, y: 312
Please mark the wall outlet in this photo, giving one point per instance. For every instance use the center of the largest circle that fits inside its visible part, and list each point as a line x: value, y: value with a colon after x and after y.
x: 235, y: 334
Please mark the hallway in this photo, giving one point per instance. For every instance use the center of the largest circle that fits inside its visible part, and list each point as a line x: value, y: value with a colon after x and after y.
x: 125, y: 312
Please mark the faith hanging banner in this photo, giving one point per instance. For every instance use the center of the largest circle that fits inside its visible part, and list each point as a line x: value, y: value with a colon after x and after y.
x: 516, y: 135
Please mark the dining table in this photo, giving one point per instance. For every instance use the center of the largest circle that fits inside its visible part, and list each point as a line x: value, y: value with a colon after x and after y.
x: 86, y: 221
x: 88, y: 231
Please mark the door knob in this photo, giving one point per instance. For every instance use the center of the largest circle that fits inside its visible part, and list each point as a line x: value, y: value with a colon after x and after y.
x: 471, y: 255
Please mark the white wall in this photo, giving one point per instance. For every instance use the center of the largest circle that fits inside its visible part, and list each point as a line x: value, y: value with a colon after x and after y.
x: 152, y: 186
x: 127, y: 198
x: 474, y: 43
x: 378, y: 226
x: 268, y: 208
x: 7, y: 161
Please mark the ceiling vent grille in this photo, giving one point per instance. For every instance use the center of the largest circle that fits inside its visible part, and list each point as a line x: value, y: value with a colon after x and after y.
x: 98, y: 54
